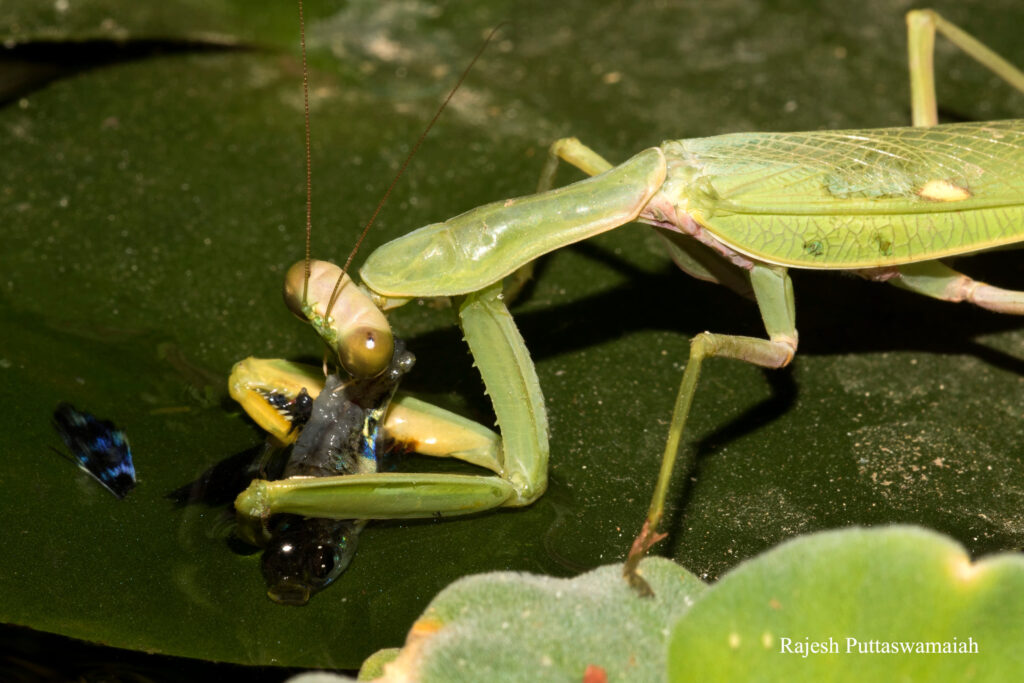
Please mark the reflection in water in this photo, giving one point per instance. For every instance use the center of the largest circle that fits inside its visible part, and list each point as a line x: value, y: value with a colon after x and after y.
x: 98, y: 447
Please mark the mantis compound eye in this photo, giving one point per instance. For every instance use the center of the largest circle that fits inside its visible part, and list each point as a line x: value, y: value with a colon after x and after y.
x: 353, y: 327
x: 293, y: 288
x: 366, y: 352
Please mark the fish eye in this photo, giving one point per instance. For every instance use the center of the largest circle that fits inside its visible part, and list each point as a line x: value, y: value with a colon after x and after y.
x: 325, y: 564
x: 304, y: 556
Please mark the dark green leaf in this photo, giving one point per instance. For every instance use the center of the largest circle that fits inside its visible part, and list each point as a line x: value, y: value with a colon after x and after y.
x: 152, y: 204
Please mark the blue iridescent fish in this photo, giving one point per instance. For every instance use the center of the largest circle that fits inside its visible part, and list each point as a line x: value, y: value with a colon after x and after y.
x: 98, y: 447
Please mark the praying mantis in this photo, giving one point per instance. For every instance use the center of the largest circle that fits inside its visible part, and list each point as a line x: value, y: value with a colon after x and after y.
x: 738, y: 210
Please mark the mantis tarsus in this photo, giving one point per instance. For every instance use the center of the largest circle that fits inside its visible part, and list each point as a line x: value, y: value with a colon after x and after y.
x: 738, y: 210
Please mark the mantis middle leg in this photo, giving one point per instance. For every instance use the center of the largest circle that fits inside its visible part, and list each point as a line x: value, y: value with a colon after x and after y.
x: 773, y: 291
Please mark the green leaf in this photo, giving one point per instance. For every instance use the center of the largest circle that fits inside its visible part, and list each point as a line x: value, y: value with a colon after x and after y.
x: 152, y: 203
x: 518, y: 627
x: 819, y: 607
x: 374, y: 665
x: 853, y: 605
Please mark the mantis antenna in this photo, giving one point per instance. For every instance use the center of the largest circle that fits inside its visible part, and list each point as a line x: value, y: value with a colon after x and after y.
x: 309, y: 155
x: 394, y: 181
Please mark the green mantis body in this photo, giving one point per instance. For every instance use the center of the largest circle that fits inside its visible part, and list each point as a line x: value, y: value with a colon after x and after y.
x: 736, y: 209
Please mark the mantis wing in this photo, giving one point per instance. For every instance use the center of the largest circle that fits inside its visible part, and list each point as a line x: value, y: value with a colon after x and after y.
x: 857, y: 198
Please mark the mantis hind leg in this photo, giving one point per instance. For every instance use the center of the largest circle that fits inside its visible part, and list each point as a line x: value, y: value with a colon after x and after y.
x: 774, y: 293
x: 921, y: 28
x: 939, y: 281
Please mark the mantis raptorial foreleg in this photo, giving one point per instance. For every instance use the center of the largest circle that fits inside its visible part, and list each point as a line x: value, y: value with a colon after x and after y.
x: 580, y: 156
x: 520, y: 465
x: 269, y: 388
x: 692, y: 257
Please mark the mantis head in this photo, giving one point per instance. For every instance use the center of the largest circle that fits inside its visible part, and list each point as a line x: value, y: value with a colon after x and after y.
x: 342, y: 314
x: 324, y: 294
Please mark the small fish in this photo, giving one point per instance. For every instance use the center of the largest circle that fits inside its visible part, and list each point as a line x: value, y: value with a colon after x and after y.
x: 98, y: 447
